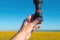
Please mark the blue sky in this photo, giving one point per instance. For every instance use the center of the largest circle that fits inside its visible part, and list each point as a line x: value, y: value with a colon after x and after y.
x: 13, y: 12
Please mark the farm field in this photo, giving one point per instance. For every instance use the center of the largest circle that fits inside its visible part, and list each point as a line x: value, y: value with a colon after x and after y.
x: 35, y: 35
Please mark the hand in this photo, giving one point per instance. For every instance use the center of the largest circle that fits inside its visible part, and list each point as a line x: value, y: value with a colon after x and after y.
x: 27, y: 28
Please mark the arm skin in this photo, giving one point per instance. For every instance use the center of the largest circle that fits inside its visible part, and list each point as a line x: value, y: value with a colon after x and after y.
x: 26, y: 30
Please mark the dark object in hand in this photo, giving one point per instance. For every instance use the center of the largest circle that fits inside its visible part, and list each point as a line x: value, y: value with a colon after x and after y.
x: 38, y: 12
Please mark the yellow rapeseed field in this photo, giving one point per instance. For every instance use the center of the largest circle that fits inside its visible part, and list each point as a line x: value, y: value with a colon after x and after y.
x: 34, y: 36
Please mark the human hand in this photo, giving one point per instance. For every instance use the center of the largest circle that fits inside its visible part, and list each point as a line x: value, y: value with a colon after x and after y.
x: 27, y: 28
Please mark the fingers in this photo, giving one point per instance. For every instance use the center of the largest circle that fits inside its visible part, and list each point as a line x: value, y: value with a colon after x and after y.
x: 26, y: 21
x: 29, y: 18
x: 36, y: 21
x: 36, y: 27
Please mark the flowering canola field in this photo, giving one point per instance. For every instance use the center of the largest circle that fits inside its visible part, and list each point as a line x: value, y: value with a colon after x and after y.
x: 35, y: 35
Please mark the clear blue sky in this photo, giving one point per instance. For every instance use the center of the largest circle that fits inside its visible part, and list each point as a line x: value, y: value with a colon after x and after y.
x: 13, y: 12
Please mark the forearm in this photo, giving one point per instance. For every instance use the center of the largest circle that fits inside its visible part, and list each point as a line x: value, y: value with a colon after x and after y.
x: 20, y: 36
